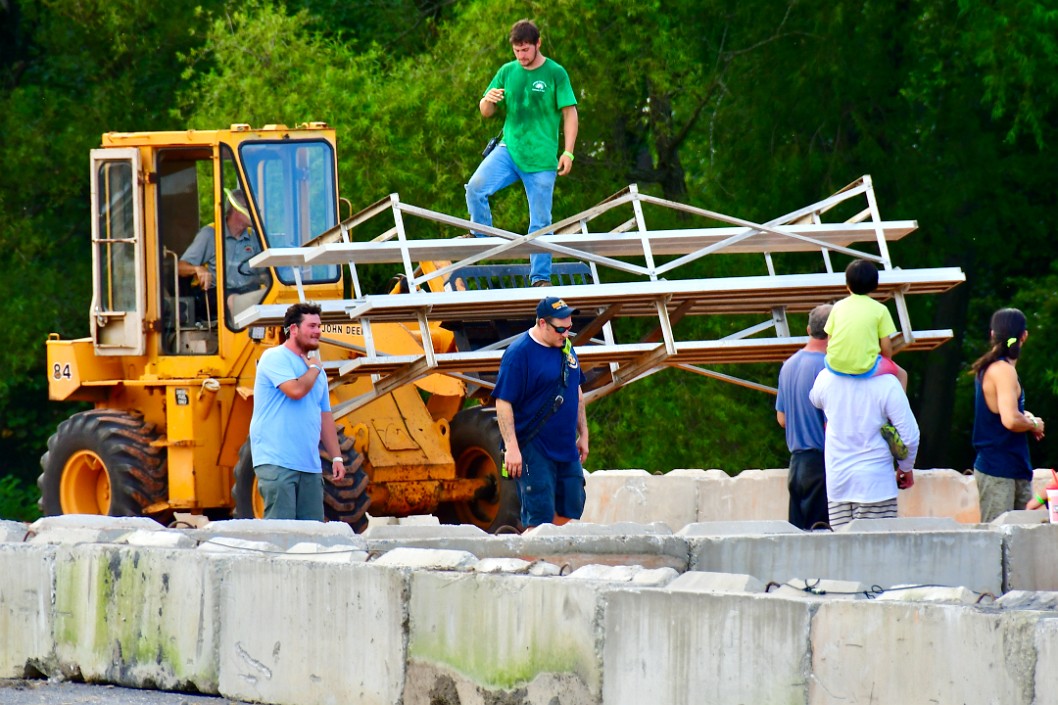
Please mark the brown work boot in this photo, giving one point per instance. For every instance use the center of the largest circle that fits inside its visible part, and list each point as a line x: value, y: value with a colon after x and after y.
x: 542, y: 282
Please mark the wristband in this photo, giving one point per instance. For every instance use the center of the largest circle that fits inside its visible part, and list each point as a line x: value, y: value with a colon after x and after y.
x: 318, y: 367
x: 569, y: 154
x: 1040, y: 499
x: 337, y: 459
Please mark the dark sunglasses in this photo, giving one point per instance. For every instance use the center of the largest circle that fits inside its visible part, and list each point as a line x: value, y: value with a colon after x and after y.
x: 558, y: 329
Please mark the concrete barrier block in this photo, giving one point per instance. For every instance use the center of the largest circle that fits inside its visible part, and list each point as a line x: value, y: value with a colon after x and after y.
x: 281, y: 532
x: 305, y: 633
x: 738, y: 528
x: 1021, y: 516
x: 1041, y: 477
x: 870, y: 652
x: 25, y: 608
x: 649, y: 546
x: 752, y: 494
x: 577, y: 529
x: 640, y: 497
x: 700, y: 581
x: 541, y: 644
x: 972, y: 559
x: 941, y: 493
x: 309, y: 551
x: 910, y: 593
x: 412, y: 532
x: 1029, y: 600
x: 513, y: 566
x: 822, y: 589
x: 1045, y: 682
x: 634, y: 574
x: 428, y: 559
x: 724, y: 649
x: 901, y: 524
x: 12, y: 531
x: 227, y: 544
x: 139, y: 617
x: 165, y: 538
x: 1029, y: 557
x: 87, y: 528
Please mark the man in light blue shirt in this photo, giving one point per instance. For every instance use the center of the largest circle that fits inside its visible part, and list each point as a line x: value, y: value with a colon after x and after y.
x: 803, y: 422
x: 291, y: 417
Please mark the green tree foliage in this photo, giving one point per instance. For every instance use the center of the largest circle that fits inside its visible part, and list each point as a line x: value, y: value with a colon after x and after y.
x: 750, y: 108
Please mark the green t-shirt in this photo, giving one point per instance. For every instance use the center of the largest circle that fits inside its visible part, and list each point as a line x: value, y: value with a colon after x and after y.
x: 855, y: 326
x: 534, y: 101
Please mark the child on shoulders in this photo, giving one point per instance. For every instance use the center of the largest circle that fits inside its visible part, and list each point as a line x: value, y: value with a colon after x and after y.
x: 859, y: 329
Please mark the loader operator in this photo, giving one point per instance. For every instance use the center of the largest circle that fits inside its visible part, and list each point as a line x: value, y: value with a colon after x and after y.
x: 242, y: 286
x: 291, y: 417
x: 540, y: 409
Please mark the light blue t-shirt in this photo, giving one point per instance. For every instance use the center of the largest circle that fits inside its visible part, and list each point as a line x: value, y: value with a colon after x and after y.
x: 804, y: 422
x: 285, y: 431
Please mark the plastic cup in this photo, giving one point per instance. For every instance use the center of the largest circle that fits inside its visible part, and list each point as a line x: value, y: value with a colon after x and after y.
x: 1052, y: 503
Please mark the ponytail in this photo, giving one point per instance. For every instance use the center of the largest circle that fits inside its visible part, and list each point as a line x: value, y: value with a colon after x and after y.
x: 1008, y: 327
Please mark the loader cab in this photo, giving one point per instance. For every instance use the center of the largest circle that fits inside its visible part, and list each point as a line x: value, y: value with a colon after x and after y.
x: 204, y: 219
x: 156, y: 205
x: 286, y: 189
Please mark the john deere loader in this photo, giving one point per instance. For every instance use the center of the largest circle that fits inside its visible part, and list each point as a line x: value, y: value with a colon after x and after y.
x: 170, y: 374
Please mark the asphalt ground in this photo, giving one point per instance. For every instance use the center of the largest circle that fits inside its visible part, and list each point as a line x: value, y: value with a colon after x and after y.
x: 46, y: 692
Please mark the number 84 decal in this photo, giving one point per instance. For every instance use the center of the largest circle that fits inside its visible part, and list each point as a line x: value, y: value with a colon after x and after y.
x: 61, y: 371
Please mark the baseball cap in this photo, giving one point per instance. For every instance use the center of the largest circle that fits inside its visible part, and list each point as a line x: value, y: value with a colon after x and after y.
x: 554, y: 307
x: 237, y: 199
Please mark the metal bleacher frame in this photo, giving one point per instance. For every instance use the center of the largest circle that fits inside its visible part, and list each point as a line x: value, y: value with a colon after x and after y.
x: 668, y: 300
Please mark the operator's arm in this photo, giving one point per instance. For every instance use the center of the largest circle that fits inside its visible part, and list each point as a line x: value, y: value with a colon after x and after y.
x: 186, y: 269
x: 781, y: 418
x: 582, y: 427
x: 512, y: 455
x: 570, y: 125
x: 300, y: 386
x: 329, y: 438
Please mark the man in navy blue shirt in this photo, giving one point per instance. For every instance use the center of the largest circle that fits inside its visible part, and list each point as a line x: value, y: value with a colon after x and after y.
x: 540, y: 410
x: 804, y: 425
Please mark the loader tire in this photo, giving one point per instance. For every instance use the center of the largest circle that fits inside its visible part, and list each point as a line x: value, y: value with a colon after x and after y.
x: 102, y: 462
x: 476, y: 448
x: 248, y: 501
x: 343, y: 500
x: 346, y: 499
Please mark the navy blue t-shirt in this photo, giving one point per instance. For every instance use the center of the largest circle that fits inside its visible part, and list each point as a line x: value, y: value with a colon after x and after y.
x: 528, y: 380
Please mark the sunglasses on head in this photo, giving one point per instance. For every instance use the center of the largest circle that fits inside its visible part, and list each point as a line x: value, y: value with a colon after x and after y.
x: 558, y: 329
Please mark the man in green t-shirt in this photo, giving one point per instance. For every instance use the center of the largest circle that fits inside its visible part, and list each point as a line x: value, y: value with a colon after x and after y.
x: 537, y: 96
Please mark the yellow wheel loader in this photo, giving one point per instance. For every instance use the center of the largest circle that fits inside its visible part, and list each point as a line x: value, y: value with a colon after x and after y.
x: 170, y: 375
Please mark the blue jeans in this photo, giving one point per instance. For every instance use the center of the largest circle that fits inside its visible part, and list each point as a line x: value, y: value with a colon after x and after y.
x: 495, y: 173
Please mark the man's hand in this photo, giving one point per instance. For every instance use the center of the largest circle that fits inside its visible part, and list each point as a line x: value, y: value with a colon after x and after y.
x: 487, y: 104
x: 205, y: 279
x: 512, y: 459
x: 582, y: 448
x: 565, y: 164
x: 905, y: 480
x: 338, y: 467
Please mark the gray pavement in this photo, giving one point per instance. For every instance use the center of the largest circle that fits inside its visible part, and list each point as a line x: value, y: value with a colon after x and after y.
x: 45, y: 692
